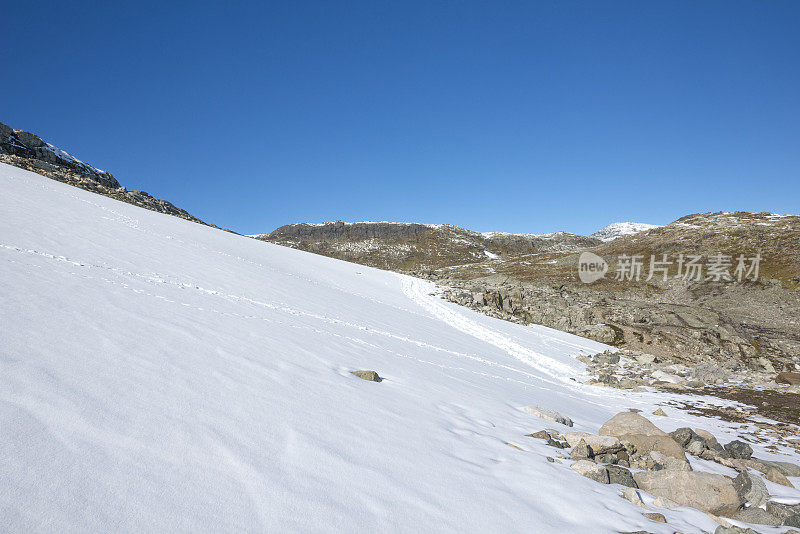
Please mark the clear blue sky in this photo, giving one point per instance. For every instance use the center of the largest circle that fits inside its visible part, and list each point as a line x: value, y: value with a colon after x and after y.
x: 522, y: 117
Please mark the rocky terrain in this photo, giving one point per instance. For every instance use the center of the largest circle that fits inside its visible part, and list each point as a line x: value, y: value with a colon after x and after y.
x: 414, y: 246
x: 744, y: 330
x: 657, y: 470
x: 30, y: 152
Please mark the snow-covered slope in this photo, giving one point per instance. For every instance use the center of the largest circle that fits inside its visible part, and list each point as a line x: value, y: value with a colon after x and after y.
x: 619, y: 229
x: 159, y: 375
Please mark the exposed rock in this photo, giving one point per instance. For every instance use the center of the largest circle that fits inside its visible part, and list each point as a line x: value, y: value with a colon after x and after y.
x: 620, y: 475
x: 792, y: 521
x: 599, y: 444
x: 663, y: 444
x: 734, y: 530
x: 581, y: 451
x: 549, y: 415
x: 660, y: 412
x: 630, y: 423
x: 756, y: 516
x: 707, y: 492
x: 28, y: 151
x: 774, y: 475
x: 655, y: 516
x: 782, y: 511
x: 682, y: 436
x: 670, y: 462
x: 596, y: 472
x: 632, y: 494
x: 606, y: 358
x: 371, y: 376
x: 541, y: 434
x: 751, y: 489
x: 739, y: 449
x: 792, y: 379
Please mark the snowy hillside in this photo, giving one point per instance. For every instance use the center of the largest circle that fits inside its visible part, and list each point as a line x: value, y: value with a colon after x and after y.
x: 619, y: 229
x: 159, y: 375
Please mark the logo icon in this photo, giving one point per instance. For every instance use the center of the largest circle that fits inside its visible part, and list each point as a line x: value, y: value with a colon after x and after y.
x: 591, y: 267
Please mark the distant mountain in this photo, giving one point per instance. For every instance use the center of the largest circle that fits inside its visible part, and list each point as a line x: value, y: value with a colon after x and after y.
x: 413, y: 246
x: 620, y: 229
x: 30, y: 152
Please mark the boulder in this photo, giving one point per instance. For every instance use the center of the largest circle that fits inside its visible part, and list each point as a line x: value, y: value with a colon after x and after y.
x: 710, y: 493
x: 739, y: 449
x: 660, y: 413
x: 599, y: 444
x: 541, y: 434
x: 682, y: 436
x: 629, y: 423
x: 655, y: 516
x: 756, y: 516
x: 606, y: 358
x: 711, y: 441
x: 596, y: 472
x: 371, y: 376
x: 732, y: 529
x: 774, y: 475
x: 793, y: 379
x: 751, y: 489
x: 549, y: 415
x: 581, y: 451
x: 620, y: 475
x: 670, y: 462
x: 783, y: 511
x: 663, y: 444
x: 632, y: 494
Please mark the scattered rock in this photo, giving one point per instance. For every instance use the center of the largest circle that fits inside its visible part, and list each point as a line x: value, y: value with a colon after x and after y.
x: 739, y: 449
x: 792, y: 521
x: 655, y: 516
x: 620, y: 475
x: 660, y: 412
x: 549, y: 415
x: 774, y: 475
x: 751, y: 489
x: 707, y: 492
x: 757, y: 516
x: 371, y: 376
x: 596, y: 472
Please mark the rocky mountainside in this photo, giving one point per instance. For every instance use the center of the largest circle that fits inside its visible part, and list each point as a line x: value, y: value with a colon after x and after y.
x: 414, y: 246
x: 748, y: 327
x: 620, y: 229
x: 30, y: 152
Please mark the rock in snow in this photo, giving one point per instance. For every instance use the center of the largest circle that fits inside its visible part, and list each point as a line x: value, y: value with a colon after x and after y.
x: 549, y: 415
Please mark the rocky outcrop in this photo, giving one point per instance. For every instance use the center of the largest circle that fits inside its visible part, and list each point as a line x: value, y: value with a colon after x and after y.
x: 30, y: 152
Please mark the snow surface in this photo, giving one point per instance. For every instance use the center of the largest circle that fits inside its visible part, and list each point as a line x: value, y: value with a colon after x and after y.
x: 160, y: 375
x: 620, y: 229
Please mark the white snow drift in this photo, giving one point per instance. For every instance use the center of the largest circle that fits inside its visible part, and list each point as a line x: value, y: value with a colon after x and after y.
x: 159, y: 375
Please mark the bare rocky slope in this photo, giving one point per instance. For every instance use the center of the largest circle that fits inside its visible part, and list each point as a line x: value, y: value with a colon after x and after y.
x: 414, y: 246
x: 715, y: 329
x: 30, y: 152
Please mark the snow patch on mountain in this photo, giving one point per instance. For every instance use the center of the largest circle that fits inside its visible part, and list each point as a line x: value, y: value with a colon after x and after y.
x: 620, y: 229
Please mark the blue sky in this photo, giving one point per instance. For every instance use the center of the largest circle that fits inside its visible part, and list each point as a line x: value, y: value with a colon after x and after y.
x: 520, y: 117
